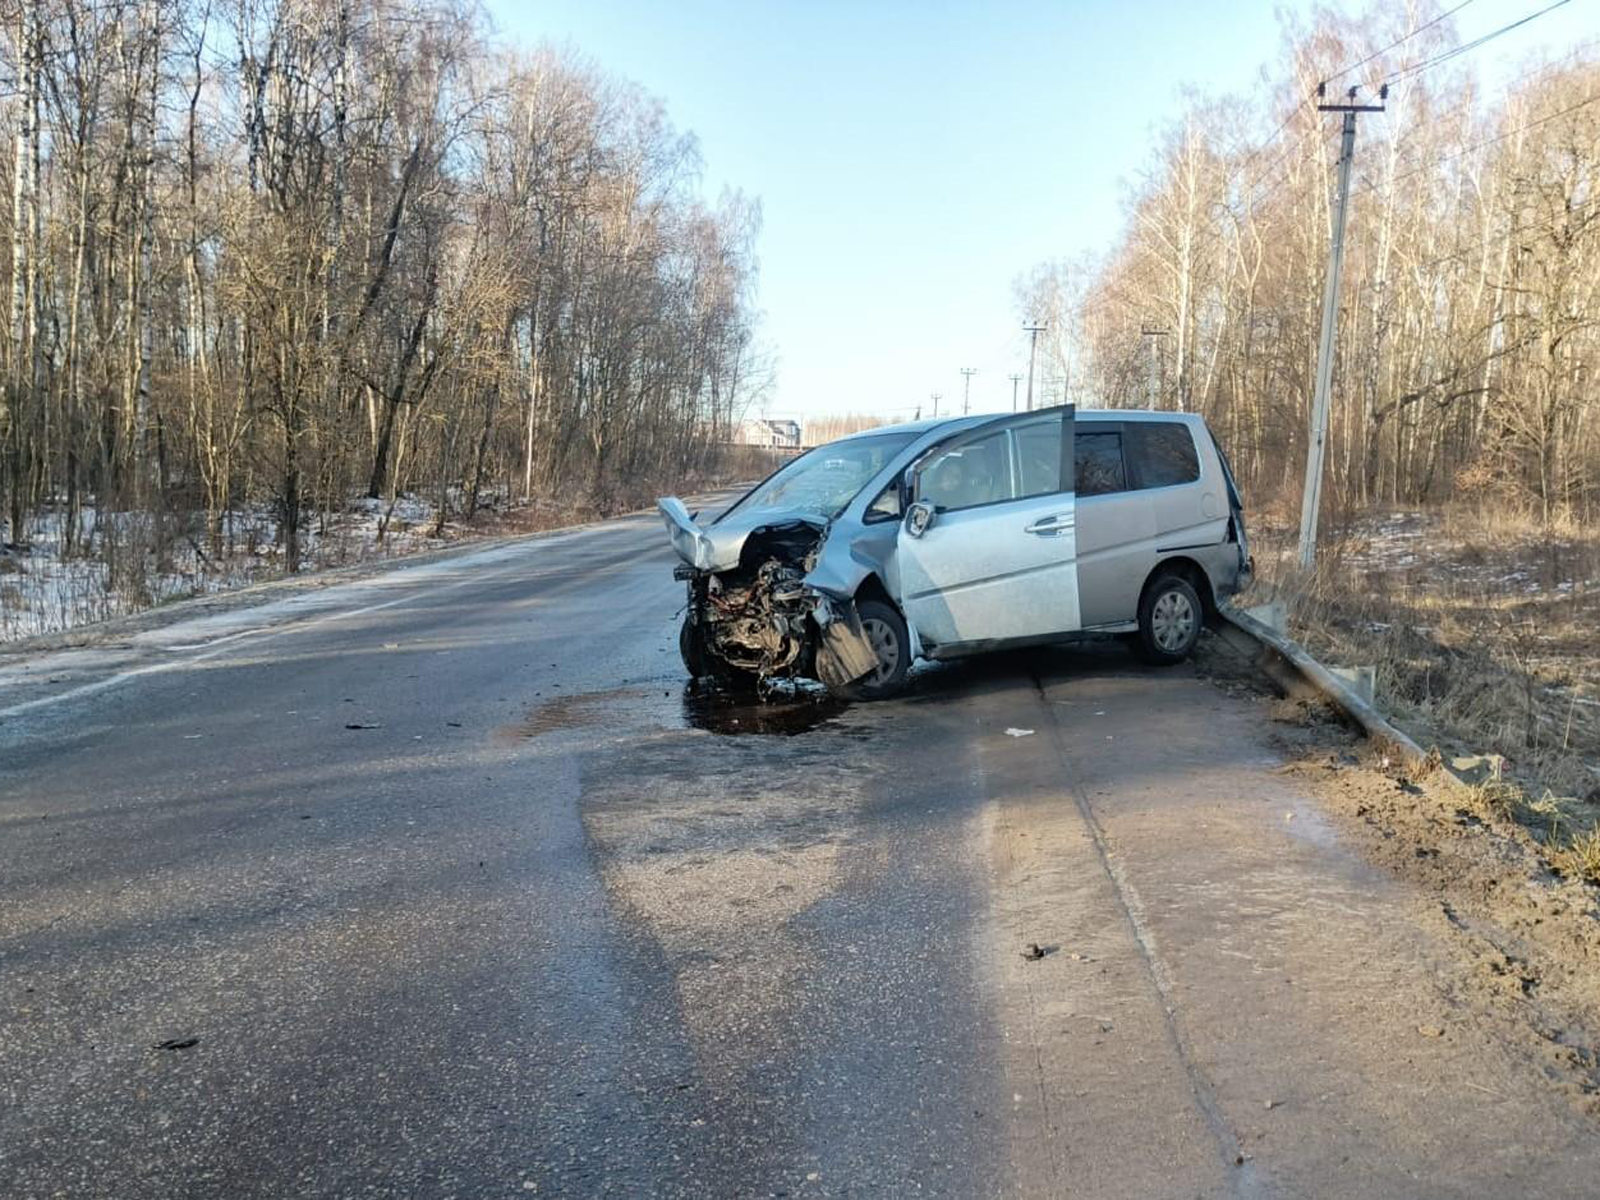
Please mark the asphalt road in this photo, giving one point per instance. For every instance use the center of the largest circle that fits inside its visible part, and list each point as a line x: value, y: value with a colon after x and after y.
x: 442, y: 883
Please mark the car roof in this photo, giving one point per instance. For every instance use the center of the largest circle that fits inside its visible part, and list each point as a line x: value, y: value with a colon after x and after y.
x: 952, y: 424
x: 1136, y: 414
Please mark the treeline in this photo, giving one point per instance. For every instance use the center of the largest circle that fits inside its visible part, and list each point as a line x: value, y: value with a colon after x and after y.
x: 1468, y: 349
x: 286, y: 251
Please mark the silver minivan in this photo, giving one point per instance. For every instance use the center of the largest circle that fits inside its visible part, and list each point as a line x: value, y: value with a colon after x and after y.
x: 951, y: 537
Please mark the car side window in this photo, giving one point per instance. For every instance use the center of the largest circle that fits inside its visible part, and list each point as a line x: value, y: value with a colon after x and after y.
x: 1039, y: 457
x: 886, y: 507
x: 973, y: 473
x: 1161, y: 453
x: 1099, y: 463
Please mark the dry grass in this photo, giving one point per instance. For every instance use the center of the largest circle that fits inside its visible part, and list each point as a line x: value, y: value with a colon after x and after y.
x: 1483, y: 631
x: 1580, y: 857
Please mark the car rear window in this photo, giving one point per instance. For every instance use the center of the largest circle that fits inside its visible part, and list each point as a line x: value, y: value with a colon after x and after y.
x: 1161, y: 453
x: 1099, y: 463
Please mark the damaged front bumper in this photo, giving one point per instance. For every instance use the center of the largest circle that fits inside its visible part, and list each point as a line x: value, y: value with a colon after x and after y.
x: 844, y: 654
x: 696, y: 549
x: 756, y: 628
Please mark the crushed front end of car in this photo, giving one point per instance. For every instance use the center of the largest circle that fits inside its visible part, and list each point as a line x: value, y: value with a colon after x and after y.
x: 751, y: 613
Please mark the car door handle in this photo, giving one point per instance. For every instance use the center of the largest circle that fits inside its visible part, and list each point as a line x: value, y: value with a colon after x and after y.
x: 1049, y: 526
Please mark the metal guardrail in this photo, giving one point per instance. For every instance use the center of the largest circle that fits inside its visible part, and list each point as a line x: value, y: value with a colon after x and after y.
x: 1279, y: 654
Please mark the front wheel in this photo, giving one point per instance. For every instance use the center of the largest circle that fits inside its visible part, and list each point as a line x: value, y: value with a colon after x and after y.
x: 886, y: 630
x: 704, y: 663
x: 692, y: 650
x: 1169, y: 620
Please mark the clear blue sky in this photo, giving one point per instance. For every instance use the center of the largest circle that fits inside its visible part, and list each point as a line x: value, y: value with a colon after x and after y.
x: 912, y: 159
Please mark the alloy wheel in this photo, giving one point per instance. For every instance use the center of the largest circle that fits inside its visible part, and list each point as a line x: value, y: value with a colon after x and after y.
x: 885, y: 645
x: 1172, y: 621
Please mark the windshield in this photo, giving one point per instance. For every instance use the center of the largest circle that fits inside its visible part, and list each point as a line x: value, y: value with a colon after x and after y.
x: 826, y: 479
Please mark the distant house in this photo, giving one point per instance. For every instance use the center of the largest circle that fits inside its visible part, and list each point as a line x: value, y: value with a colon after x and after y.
x: 782, y: 434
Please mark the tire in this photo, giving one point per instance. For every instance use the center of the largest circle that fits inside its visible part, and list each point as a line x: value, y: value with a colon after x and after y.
x: 702, y: 663
x: 886, y: 629
x: 692, y: 650
x: 1170, y: 617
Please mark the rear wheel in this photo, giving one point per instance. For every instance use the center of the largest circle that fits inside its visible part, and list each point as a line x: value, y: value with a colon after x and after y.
x: 1169, y: 620
x: 891, y: 642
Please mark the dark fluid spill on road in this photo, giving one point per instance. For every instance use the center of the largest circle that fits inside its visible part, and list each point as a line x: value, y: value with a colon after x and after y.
x: 784, y: 711
x: 565, y: 712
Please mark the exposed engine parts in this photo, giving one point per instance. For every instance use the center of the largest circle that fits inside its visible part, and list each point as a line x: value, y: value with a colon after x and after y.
x: 758, y: 618
x: 768, y: 614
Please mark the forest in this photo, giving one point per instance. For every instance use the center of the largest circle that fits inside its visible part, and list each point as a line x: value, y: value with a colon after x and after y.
x: 1468, y: 336
x: 282, y: 254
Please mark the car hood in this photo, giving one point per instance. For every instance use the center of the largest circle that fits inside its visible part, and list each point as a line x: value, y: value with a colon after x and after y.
x: 716, y: 547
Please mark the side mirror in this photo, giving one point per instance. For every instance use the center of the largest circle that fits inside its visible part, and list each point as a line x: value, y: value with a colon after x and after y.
x: 919, y: 518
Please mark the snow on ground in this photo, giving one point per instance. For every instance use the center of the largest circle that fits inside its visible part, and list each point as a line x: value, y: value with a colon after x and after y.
x: 43, y: 590
x: 1422, y: 547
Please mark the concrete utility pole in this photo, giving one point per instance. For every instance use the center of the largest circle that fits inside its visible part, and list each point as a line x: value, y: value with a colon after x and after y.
x: 936, y: 397
x: 1316, y: 447
x: 966, y: 388
x: 1033, y: 332
x: 1155, y: 365
x: 1015, y: 379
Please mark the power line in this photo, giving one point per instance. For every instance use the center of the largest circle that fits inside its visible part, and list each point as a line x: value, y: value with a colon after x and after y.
x: 1343, y: 71
x: 1470, y: 98
x: 1271, y: 182
x: 1543, y: 70
x: 1446, y: 56
x: 1466, y: 252
x: 1479, y: 145
x: 1253, y: 194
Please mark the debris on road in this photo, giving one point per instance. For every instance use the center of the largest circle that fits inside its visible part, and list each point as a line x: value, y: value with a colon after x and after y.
x: 1019, y: 733
x: 177, y: 1044
x: 361, y: 725
x: 1035, y: 952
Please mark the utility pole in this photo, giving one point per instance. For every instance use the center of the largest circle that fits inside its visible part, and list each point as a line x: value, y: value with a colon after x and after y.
x: 1146, y: 331
x: 1316, y: 447
x: 966, y: 388
x: 1033, y: 332
x: 936, y: 397
x: 1015, y: 379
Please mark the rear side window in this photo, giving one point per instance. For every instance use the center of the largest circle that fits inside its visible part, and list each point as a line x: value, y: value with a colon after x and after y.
x: 1161, y: 453
x: 1099, y: 463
